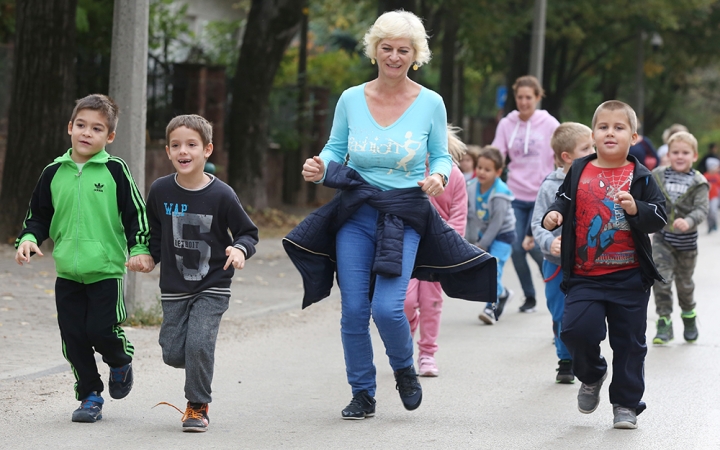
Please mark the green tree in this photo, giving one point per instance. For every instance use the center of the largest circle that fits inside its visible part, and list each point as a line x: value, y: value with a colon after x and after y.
x: 42, y: 96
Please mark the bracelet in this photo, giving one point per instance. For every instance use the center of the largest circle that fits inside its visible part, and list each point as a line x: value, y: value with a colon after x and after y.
x: 444, y: 178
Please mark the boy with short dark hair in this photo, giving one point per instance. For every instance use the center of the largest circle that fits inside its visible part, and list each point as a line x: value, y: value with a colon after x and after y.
x: 569, y: 141
x: 200, y: 233
x: 87, y: 202
x: 611, y: 203
x: 675, y: 246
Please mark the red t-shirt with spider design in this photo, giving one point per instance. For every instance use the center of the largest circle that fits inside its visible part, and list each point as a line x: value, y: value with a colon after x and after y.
x: 604, y: 243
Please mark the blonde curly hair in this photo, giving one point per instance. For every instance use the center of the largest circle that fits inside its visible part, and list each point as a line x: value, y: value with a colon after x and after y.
x: 398, y: 25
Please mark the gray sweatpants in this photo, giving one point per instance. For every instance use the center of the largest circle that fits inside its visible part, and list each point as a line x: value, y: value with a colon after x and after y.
x: 187, y: 336
x: 673, y: 265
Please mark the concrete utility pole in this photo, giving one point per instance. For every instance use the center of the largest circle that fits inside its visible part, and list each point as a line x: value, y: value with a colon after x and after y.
x: 640, y: 78
x: 128, y: 87
x: 537, y: 45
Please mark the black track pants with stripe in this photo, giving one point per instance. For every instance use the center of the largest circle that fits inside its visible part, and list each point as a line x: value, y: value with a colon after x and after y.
x: 89, y: 316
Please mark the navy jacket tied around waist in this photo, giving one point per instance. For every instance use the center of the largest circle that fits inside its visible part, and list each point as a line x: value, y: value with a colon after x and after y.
x: 463, y: 270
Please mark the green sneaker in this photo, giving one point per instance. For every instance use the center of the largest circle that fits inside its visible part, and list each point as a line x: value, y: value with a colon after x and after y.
x: 664, y: 331
x: 691, y: 332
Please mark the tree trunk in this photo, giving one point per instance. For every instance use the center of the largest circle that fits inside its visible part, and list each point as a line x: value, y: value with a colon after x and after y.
x: 447, y: 66
x: 294, y: 187
x: 271, y: 25
x: 517, y: 66
x: 41, y: 101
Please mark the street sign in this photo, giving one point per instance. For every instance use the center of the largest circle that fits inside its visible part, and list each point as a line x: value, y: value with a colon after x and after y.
x: 500, y: 97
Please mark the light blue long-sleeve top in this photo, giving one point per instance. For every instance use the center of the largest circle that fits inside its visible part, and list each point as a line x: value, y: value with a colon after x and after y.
x: 391, y: 157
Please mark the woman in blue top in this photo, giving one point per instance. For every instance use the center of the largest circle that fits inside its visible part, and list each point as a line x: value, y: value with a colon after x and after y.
x: 387, y: 128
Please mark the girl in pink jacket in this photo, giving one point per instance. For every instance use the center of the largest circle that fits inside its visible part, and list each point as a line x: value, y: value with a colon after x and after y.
x: 423, y: 301
x: 524, y: 136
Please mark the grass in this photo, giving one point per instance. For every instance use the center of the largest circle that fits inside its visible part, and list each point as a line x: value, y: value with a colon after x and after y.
x: 145, y: 316
x: 273, y: 223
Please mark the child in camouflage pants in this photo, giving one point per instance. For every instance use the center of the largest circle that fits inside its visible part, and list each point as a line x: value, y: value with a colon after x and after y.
x: 675, y: 246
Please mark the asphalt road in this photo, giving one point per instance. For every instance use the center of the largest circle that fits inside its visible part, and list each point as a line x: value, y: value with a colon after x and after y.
x: 280, y: 379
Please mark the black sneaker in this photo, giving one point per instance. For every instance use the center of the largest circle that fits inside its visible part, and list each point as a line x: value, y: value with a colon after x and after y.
x: 121, y: 381
x: 196, y: 417
x: 529, y: 305
x: 410, y: 390
x: 90, y: 409
x: 360, y: 407
x: 502, y: 301
x: 565, y: 374
x: 664, y: 331
x: 691, y: 332
x: 488, y: 315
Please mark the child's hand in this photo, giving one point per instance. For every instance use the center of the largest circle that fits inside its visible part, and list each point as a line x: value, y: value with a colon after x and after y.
x: 24, y: 250
x: 140, y: 263
x: 552, y: 220
x: 555, y: 246
x: 681, y: 225
x: 626, y: 202
x: 236, y: 257
x: 313, y: 170
x: 528, y: 243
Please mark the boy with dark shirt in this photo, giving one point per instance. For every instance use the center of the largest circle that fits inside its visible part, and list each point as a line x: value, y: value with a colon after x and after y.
x: 199, y: 230
x: 611, y: 203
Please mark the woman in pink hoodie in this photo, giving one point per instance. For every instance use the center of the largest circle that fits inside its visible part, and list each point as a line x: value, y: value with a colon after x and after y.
x: 423, y: 301
x: 524, y: 137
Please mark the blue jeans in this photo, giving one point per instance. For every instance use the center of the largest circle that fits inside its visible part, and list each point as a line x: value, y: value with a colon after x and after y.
x: 556, y: 304
x: 356, y: 252
x: 523, y: 214
x: 501, y: 251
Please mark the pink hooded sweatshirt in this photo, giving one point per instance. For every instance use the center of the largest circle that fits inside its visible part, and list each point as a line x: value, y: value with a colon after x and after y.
x: 528, y: 145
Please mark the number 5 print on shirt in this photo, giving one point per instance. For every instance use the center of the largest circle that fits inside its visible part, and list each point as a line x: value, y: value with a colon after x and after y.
x: 202, y: 222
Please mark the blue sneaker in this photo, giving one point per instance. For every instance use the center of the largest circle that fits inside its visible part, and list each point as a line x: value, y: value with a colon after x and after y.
x: 121, y: 381
x: 90, y: 409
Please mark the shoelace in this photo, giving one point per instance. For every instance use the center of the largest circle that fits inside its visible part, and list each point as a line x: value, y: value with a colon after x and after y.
x: 356, y: 402
x: 170, y: 404
x: 190, y: 412
x: 406, y: 384
x: 623, y: 410
x: 589, y: 388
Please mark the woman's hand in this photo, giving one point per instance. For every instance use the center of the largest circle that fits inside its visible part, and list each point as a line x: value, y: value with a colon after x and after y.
x: 313, y: 169
x: 432, y: 185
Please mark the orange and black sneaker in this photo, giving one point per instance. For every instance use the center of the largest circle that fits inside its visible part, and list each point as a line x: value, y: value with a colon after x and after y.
x: 196, y: 417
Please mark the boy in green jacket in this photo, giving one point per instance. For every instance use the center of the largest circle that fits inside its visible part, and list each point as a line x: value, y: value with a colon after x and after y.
x: 87, y: 202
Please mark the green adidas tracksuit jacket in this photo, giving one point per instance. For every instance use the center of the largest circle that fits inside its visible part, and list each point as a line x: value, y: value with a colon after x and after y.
x: 94, y: 216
